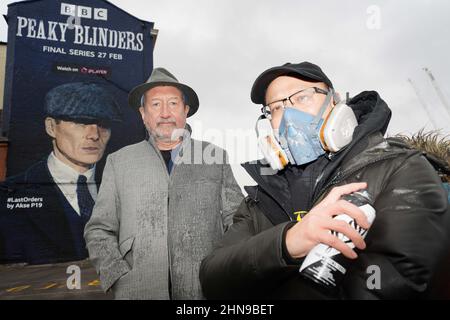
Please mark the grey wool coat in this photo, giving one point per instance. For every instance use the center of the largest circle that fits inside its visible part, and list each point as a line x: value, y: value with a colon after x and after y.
x: 148, y: 226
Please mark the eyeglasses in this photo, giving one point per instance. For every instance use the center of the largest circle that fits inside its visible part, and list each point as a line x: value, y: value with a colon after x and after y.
x: 303, y: 97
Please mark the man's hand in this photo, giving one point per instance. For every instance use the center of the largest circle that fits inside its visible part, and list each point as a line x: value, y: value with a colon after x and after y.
x: 316, y: 225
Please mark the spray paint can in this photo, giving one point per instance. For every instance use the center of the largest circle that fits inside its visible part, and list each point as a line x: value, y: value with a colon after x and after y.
x: 327, y: 266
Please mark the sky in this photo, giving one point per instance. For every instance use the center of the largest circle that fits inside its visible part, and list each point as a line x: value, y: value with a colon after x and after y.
x: 220, y: 47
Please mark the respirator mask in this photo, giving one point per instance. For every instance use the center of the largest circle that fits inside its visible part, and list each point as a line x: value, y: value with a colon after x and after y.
x: 302, y: 137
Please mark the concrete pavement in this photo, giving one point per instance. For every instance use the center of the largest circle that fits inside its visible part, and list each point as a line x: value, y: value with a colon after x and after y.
x: 52, y: 281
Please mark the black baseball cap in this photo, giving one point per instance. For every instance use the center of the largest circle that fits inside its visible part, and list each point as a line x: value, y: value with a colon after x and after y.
x: 303, y: 70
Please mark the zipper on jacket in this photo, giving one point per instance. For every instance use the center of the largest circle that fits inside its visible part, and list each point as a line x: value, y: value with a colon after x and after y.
x: 169, y: 180
x: 342, y: 175
x: 169, y: 183
x: 274, y: 199
x: 255, y: 200
x: 260, y: 184
x: 168, y: 249
x: 171, y: 176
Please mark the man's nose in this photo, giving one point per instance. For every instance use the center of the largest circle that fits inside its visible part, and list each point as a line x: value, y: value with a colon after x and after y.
x: 92, y: 132
x: 165, y: 112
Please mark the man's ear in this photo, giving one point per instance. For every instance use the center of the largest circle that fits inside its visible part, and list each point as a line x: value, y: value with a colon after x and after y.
x: 336, y: 98
x: 186, y: 110
x: 50, y: 124
x: 142, y: 112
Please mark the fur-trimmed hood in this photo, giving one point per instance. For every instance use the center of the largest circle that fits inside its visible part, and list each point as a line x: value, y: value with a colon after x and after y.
x: 435, y: 147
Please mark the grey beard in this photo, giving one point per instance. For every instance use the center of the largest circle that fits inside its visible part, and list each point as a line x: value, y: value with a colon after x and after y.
x: 176, y: 135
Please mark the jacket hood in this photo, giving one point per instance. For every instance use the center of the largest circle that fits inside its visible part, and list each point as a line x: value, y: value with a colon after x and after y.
x: 372, y: 113
x: 435, y: 148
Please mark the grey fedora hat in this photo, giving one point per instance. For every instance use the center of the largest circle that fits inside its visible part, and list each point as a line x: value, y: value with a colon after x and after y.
x: 162, y: 77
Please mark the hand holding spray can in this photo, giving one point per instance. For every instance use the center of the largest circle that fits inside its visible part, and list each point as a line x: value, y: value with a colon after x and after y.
x: 324, y: 264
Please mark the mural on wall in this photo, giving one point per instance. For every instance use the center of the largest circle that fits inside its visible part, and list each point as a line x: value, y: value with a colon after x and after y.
x: 70, y: 65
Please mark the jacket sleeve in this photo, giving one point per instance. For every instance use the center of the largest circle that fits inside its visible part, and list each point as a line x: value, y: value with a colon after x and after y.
x: 101, y: 232
x: 231, y: 196
x: 407, y: 239
x: 246, y: 264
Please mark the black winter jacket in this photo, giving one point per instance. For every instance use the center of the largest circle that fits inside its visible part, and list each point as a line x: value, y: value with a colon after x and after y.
x: 406, y: 240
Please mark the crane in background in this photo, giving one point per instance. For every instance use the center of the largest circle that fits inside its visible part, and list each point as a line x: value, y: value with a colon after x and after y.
x: 423, y: 103
x: 438, y: 90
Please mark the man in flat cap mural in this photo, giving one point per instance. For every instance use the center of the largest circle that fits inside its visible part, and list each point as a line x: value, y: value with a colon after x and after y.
x: 44, y: 210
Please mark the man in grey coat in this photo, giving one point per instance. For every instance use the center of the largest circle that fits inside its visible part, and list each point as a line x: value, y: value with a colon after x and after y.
x: 164, y: 203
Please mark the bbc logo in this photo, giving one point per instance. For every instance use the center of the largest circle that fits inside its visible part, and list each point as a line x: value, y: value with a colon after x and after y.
x: 84, y: 12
